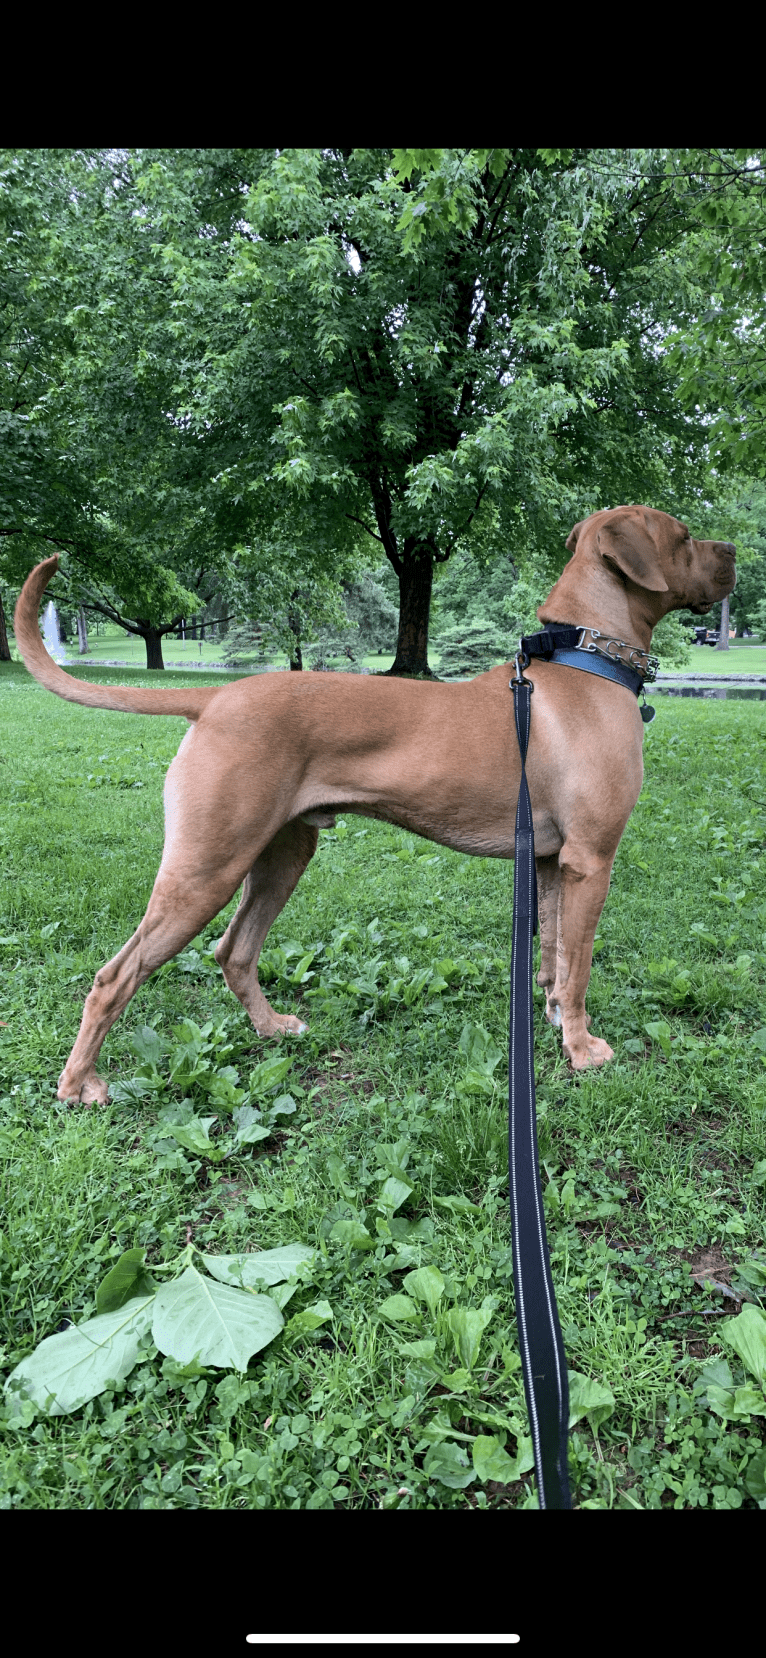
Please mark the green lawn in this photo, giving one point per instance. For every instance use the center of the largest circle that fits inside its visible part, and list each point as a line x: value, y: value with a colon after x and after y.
x: 382, y: 1389
x: 738, y: 659
x: 112, y: 644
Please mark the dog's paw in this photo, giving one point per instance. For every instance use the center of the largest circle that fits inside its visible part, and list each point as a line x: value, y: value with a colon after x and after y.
x: 93, y: 1091
x: 282, y: 1024
x: 292, y: 1025
x: 593, y: 1051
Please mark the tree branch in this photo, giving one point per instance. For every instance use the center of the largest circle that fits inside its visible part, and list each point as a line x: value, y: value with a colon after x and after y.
x: 366, y: 527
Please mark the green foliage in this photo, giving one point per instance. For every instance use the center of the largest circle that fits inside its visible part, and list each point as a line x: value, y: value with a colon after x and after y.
x: 718, y: 353
x: 193, y: 1319
x: 391, y: 1167
x: 283, y: 357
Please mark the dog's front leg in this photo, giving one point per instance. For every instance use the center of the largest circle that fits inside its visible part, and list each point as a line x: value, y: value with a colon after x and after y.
x: 583, y: 886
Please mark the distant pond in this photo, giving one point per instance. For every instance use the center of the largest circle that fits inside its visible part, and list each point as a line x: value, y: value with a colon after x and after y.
x: 755, y: 693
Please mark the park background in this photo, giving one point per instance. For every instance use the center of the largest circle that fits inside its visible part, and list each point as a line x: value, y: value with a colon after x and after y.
x: 305, y: 410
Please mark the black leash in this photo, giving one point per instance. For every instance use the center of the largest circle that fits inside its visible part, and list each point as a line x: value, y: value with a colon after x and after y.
x: 540, y: 1340
x: 542, y: 1348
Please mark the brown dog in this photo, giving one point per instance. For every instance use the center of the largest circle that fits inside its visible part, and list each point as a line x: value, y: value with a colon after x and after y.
x: 269, y: 760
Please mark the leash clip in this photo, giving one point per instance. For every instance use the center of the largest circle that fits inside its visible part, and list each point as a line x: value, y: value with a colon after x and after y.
x: 520, y: 661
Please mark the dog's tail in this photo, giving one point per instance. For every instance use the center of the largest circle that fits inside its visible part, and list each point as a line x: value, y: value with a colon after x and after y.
x: 189, y: 703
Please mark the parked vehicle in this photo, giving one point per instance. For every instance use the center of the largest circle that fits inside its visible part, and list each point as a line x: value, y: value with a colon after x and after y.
x: 706, y: 636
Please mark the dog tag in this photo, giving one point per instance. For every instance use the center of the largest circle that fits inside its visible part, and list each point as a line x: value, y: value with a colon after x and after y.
x: 647, y: 713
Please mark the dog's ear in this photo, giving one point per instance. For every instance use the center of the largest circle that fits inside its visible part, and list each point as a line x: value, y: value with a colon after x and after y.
x: 631, y: 547
x: 571, y: 540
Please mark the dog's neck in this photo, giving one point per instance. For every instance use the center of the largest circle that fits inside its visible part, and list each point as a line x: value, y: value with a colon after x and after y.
x: 593, y: 596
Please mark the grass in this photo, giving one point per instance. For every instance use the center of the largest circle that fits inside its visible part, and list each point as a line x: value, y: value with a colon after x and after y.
x: 652, y: 1169
x: 113, y: 645
x: 740, y: 658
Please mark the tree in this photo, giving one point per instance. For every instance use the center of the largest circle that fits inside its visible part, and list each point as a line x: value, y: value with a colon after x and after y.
x: 720, y: 352
x: 97, y: 460
x: 44, y: 486
x: 238, y: 376
x: 438, y: 350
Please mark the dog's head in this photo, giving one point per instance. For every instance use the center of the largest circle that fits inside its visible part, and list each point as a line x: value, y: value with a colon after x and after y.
x: 642, y: 563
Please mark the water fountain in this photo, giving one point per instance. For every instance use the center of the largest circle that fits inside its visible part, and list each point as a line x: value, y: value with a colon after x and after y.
x: 51, y: 636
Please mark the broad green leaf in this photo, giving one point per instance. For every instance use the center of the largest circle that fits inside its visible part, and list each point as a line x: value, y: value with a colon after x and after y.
x: 468, y: 1325
x: 459, y: 1381
x: 250, y: 1126
x: 301, y: 974
x: 282, y: 1293
x: 282, y: 1107
x: 481, y: 1053
x: 748, y: 1401
x: 492, y: 1462
x: 418, y: 1349
x: 302, y: 1324
x: 197, y: 1318
x: 127, y: 1279
x: 448, y: 1463
x: 736, y: 1404
x: 266, y: 1266
x: 393, y: 1157
x: 747, y: 1335
x: 426, y: 1285
x: 589, y: 1398
x: 67, y: 1370
x: 399, y: 1308
x: 457, y: 1205
x: 717, y: 1372
x: 194, y: 1136
x: 393, y: 1193
x: 133, y: 1090
x: 352, y: 1234
x: 150, y: 1047
x: 268, y: 1074
x: 222, y: 1090
x: 720, y: 1399
x: 755, y: 1477
x: 440, y: 1428
x: 175, y: 1374
x: 660, y: 1032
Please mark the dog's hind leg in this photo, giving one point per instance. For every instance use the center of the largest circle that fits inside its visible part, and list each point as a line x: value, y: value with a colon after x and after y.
x: 273, y: 877
x: 180, y: 906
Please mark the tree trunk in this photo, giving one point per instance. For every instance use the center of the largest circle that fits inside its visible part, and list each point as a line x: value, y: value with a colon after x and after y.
x: 296, y: 654
x: 82, y: 633
x: 191, y: 633
x: 723, y: 637
x: 415, y: 582
x: 5, y: 653
x: 153, y: 641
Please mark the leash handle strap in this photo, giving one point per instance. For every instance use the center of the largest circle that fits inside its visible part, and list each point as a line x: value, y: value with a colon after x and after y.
x: 540, y: 1340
